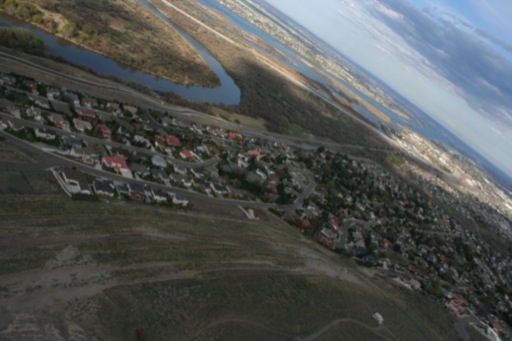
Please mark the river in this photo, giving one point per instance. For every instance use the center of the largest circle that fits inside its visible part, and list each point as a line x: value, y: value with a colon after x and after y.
x: 227, y: 93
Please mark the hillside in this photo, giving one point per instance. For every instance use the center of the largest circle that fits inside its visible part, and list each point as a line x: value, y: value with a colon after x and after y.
x: 102, y: 270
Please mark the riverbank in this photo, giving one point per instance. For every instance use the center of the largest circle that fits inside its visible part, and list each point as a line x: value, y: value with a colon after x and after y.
x: 271, y: 90
x: 127, y: 32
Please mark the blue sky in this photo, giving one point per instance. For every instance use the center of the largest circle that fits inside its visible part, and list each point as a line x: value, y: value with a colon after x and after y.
x: 452, y: 58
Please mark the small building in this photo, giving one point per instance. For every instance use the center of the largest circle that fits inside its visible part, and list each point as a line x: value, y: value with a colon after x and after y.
x: 89, y: 102
x: 61, y: 107
x: 59, y: 121
x: 136, y: 192
x: 219, y: 188
x: 117, y: 163
x: 235, y: 136
x: 139, y: 169
x: 179, y: 199
x: 33, y: 112
x: 378, y: 317
x: 104, y: 130
x: 159, y: 196
x: 41, y: 102
x: 159, y: 174
x: 104, y: 188
x: 186, y: 154
x: 130, y: 108
x: 75, y: 180
x: 81, y: 125
x: 45, y: 134
x: 84, y: 112
x: 158, y: 161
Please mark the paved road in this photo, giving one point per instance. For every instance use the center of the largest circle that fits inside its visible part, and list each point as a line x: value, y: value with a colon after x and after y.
x: 110, y: 143
x: 310, y: 188
x: 196, y: 116
x: 48, y: 160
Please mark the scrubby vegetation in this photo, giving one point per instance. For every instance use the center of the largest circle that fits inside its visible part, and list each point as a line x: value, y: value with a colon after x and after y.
x: 21, y: 39
x: 123, y: 30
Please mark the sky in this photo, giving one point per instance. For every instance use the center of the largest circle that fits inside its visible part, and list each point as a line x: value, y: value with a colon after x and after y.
x: 452, y: 58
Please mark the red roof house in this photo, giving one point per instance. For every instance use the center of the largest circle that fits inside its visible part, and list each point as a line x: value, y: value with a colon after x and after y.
x: 117, y: 162
x: 105, y: 131
x: 235, y: 136
x: 186, y: 154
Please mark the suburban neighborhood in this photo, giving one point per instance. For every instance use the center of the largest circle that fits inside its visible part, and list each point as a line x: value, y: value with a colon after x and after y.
x: 350, y: 205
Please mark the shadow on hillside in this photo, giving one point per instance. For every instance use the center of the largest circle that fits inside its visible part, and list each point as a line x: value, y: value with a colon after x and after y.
x: 268, y: 95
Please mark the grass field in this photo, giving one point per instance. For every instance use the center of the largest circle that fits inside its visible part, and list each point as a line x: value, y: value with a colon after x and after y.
x: 100, y: 270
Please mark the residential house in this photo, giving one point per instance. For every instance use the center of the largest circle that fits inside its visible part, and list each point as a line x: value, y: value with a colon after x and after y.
x: 104, y: 116
x: 159, y: 196
x: 243, y: 160
x: 52, y: 93
x: 71, y: 142
x: 136, y: 192
x: 139, y: 170
x: 235, y: 136
x: 45, y: 134
x: 159, y: 174
x: 104, y: 187
x: 255, y: 153
x: 87, y: 113
x: 31, y: 86
x: 7, y: 105
x: 186, y: 154
x: 219, y: 188
x: 158, y: 161
x: 40, y: 101
x: 180, y: 169
x: 72, y: 98
x: 179, y: 199
x: 117, y: 163
x: 81, y: 125
x: 130, y: 108
x: 76, y: 181
x: 104, y: 130
x: 34, y: 112
x: 89, y: 102
x: 89, y: 154
x: 59, y: 121
x: 61, y: 107
x: 15, y: 126
x: 7, y: 80
x: 161, y: 141
x: 122, y: 188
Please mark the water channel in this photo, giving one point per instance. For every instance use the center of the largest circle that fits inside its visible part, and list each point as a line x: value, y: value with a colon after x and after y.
x: 227, y: 93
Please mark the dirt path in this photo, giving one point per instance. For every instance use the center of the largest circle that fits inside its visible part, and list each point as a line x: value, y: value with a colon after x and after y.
x: 334, y: 323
